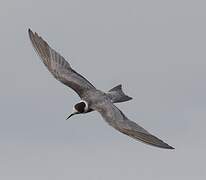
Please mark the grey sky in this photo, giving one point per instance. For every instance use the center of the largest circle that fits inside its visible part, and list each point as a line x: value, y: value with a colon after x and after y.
x: 156, y: 49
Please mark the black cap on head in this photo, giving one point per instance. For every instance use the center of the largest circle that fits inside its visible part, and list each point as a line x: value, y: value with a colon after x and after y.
x: 80, y: 107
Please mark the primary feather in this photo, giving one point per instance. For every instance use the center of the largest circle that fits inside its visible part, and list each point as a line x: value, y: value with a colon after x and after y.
x: 120, y: 122
x: 58, y: 66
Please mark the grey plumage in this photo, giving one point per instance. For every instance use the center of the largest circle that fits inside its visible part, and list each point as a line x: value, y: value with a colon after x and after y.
x: 92, y: 99
x: 119, y: 121
x: 117, y: 95
x: 58, y: 66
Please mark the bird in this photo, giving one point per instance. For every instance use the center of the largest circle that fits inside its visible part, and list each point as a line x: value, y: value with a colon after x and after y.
x: 92, y: 99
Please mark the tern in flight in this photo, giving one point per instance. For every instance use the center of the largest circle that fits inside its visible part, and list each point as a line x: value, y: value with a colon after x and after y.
x: 92, y: 99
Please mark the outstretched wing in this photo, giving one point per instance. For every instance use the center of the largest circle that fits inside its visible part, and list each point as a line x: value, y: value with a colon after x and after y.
x: 58, y: 66
x: 119, y: 121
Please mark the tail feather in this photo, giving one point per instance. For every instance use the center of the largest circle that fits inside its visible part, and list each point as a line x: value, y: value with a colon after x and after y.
x: 117, y: 95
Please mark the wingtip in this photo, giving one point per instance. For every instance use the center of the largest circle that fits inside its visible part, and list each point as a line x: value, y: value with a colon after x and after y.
x: 168, y: 147
x: 130, y: 98
x: 171, y: 148
x: 29, y: 30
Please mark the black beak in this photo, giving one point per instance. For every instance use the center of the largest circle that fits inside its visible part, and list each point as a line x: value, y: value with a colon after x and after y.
x: 71, y: 115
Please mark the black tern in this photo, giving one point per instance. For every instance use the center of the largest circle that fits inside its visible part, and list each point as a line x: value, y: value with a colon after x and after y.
x: 92, y: 99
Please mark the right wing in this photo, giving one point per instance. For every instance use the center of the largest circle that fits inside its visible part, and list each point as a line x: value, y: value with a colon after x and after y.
x: 58, y: 66
x: 120, y: 122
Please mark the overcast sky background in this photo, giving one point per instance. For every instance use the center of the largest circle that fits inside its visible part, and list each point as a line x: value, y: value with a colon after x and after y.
x: 156, y: 49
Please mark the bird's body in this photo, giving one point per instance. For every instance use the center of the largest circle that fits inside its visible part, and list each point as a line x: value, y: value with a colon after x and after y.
x: 92, y: 99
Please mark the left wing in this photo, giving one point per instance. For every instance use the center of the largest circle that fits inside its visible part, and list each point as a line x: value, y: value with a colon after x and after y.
x: 120, y: 122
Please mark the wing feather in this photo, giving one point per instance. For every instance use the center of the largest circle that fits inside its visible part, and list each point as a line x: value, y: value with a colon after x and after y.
x: 120, y: 122
x: 58, y: 66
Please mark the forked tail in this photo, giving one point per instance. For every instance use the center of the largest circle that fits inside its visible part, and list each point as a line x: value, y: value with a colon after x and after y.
x: 117, y: 95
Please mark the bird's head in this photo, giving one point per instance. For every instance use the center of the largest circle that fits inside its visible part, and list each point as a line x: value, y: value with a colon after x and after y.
x: 79, y: 108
